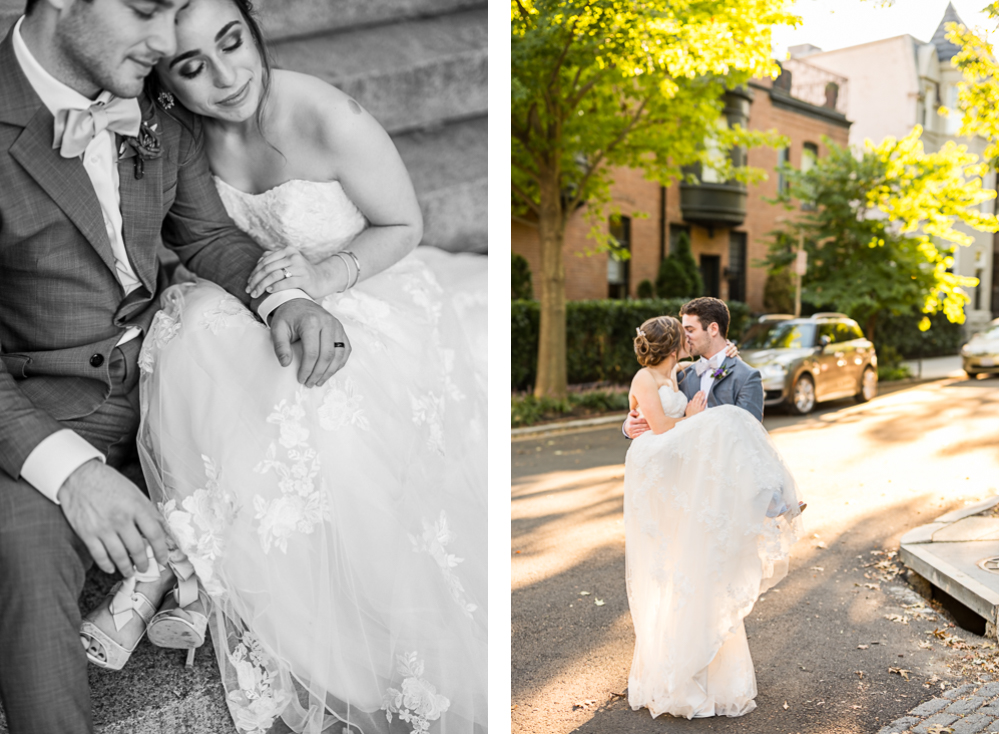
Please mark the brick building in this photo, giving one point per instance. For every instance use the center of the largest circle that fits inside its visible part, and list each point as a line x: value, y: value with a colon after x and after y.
x: 727, y: 223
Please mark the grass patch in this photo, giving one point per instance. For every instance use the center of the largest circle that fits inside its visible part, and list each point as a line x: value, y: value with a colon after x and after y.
x: 527, y: 410
x: 888, y: 374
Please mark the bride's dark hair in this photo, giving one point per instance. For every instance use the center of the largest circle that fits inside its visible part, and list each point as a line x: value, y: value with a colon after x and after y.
x: 656, y: 340
x: 154, y: 88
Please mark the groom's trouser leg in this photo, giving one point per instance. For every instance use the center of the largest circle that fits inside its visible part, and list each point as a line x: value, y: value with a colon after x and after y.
x: 43, y: 668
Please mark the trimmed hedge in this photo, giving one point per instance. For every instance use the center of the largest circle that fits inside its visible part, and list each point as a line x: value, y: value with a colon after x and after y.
x: 598, y: 337
x: 901, y: 333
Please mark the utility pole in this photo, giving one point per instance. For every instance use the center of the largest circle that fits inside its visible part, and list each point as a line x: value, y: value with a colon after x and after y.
x: 800, y: 270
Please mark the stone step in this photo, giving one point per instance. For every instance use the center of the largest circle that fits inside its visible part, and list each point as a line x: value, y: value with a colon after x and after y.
x: 448, y: 168
x: 407, y: 75
x: 285, y: 19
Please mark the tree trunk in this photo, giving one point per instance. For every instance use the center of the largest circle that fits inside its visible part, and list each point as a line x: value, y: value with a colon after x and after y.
x: 550, y: 377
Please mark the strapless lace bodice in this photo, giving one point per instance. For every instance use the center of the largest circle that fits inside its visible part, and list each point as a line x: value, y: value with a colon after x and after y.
x: 673, y: 401
x: 317, y: 217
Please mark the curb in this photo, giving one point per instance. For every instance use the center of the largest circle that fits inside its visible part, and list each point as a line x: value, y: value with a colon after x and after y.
x: 545, y: 428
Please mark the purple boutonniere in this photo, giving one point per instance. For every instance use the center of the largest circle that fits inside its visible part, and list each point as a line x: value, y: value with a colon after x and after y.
x: 142, y: 147
x: 720, y: 373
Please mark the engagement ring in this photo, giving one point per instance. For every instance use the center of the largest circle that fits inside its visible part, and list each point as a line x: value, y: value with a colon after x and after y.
x: 287, y: 274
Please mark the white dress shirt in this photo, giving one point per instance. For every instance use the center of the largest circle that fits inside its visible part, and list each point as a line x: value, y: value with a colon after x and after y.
x: 714, y: 362
x: 60, y: 454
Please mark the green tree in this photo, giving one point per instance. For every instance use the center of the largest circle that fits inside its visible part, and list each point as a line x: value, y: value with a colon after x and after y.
x: 679, y: 276
x: 599, y: 84
x: 881, y: 231
x: 645, y: 289
x: 977, y: 92
x: 520, y: 279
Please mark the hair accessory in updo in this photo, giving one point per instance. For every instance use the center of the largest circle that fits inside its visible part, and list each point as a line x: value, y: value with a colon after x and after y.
x: 656, y: 340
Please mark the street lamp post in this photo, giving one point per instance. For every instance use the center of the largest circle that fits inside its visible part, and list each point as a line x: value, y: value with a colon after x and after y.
x: 800, y: 270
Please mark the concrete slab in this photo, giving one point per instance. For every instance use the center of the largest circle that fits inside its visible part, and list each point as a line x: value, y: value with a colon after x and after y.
x: 953, y: 554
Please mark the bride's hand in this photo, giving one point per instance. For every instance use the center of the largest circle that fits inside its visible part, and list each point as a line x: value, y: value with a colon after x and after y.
x: 288, y: 268
x: 696, y: 405
x: 731, y: 350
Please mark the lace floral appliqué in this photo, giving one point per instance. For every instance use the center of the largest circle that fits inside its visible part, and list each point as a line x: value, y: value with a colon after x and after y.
x: 434, y: 541
x: 342, y: 407
x: 416, y: 702
x: 302, y: 505
x: 164, y: 328
x: 201, y: 525
x: 255, y: 704
x: 228, y: 313
x: 429, y: 410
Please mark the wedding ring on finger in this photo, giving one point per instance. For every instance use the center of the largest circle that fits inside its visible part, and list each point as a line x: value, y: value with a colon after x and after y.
x: 286, y: 272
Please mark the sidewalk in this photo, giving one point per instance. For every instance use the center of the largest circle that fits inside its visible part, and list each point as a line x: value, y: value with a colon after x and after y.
x: 932, y: 368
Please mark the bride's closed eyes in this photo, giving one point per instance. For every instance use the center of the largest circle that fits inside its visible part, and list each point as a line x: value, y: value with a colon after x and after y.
x: 192, y: 70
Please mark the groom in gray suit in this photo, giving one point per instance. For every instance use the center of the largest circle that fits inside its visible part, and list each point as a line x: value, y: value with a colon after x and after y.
x: 723, y: 380
x: 93, y: 178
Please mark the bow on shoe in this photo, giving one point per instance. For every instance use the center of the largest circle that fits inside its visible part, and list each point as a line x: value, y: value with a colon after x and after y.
x: 127, y: 600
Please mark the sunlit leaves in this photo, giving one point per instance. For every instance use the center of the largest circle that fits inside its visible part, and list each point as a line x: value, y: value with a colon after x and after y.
x: 977, y: 92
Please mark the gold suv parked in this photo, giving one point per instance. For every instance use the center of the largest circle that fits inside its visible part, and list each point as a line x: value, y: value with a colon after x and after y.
x: 981, y: 355
x: 808, y: 360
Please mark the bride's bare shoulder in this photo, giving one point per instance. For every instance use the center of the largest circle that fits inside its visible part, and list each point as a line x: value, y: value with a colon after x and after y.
x: 318, y: 110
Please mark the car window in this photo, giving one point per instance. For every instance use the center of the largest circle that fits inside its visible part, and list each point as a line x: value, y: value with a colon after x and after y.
x: 779, y: 335
x: 826, y: 329
x: 845, y: 333
x: 855, y: 330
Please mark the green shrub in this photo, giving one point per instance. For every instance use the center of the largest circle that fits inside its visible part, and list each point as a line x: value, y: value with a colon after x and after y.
x: 598, y: 337
x: 902, y: 334
x: 779, y: 291
x: 679, y: 276
x: 645, y: 289
x: 520, y: 278
x: 526, y: 410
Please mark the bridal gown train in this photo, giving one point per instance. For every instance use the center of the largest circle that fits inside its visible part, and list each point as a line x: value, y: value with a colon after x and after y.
x: 700, y: 547
x: 340, y: 530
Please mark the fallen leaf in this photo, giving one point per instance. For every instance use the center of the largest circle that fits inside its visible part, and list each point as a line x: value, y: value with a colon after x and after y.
x: 924, y: 645
x: 873, y: 587
x: 816, y: 568
x: 785, y: 705
x: 862, y: 647
x: 897, y: 618
x: 938, y: 729
x: 860, y: 674
x: 584, y: 593
x: 821, y: 545
x: 905, y: 674
x: 598, y: 602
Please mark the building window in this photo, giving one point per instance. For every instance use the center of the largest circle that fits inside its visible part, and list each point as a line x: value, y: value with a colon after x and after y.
x: 736, y: 272
x: 782, y: 179
x: 675, y: 233
x: 710, y: 265
x: 810, y: 154
x: 620, y: 229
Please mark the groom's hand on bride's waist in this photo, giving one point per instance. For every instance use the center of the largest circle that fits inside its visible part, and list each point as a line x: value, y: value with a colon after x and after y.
x: 324, y: 343
x: 113, y: 518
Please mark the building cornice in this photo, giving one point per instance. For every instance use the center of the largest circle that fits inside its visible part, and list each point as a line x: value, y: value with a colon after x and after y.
x: 784, y: 101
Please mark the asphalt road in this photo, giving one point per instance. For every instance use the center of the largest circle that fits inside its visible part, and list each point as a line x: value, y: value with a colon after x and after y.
x: 869, y: 472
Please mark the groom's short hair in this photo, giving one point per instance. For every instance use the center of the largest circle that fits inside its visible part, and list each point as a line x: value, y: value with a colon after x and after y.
x: 709, y: 310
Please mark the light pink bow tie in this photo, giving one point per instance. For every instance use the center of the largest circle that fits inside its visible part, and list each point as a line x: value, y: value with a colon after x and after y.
x: 74, y: 129
x: 701, y: 366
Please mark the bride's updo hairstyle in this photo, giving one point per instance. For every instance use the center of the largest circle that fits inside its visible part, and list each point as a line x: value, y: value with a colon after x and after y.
x: 656, y: 340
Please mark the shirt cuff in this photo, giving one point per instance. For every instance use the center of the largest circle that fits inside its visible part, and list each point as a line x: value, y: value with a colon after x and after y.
x: 54, y: 459
x: 276, y: 299
x: 623, y: 430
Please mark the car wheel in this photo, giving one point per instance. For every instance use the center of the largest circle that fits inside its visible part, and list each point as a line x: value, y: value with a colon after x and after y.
x: 972, y: 375
x: 803, y: 397
x: 868, y: 388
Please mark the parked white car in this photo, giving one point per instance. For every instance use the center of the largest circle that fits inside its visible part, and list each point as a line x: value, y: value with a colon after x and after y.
x: 981, y: 354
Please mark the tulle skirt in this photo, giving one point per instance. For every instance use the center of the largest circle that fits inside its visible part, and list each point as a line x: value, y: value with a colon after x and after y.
x: 340, y: 531
x: 700, y: 548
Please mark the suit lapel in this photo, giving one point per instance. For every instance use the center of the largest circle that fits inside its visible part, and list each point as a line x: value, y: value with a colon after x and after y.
x: 141, y: 207
x: 64, y: 180
x: 727, y: 364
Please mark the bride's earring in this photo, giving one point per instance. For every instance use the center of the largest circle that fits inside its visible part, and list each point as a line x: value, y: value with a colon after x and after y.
x: 166, y: 100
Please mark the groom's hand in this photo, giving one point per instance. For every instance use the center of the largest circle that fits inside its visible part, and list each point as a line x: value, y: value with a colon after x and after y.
x: 635, y: 425
x: 113, y: 518
x: 325, y: 346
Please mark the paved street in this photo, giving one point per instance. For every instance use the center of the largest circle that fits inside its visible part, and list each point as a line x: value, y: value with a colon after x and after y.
x: 825, y: 639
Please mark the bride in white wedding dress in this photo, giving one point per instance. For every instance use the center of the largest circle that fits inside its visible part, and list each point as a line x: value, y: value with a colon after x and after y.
x: 338, y: 529
x: 706, y: 531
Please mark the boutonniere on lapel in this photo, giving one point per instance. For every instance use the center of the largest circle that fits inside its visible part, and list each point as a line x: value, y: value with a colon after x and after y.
x: 720, y: 372
x: 142, y: 147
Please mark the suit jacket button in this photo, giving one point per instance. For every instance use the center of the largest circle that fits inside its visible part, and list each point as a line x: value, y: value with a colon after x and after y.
x: 97, y: 360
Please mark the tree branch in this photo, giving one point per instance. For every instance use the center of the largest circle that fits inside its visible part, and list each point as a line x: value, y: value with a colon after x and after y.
x: 524, y: 197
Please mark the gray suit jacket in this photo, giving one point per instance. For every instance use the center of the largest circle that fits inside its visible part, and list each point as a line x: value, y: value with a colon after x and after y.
x: 62, y: 310
x: 741, y: 387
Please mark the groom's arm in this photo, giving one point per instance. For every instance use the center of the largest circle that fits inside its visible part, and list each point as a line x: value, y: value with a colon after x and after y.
x: 198, y: 228
x: 750, y: 396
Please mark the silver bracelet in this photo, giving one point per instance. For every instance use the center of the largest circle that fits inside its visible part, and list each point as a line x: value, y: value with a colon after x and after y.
x: 347, y: 266
x: 357, y: 264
